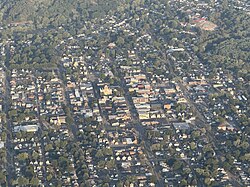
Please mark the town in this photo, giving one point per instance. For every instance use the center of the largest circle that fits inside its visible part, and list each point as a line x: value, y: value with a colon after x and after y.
x: 125, y: 106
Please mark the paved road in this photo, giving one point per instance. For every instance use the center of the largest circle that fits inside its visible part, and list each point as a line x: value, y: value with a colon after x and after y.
x: 200, y: 120
x: 141, y: 133
x: 9, y: 145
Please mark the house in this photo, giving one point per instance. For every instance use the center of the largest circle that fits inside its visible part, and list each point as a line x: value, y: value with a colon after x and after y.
x: 181, y: 125
x: 106, y: 90
x: 226, y: 126
x: 167, y: 106
x: 26, y: 128
x: 169, y: 90
x: 140, y: 99
x: 156, y: 106
x: 181, y: 100
x: 128, y: 141
x: 61, y: 119
x: 71, y: 84
x: 1, y: 144
x: 143, y: 115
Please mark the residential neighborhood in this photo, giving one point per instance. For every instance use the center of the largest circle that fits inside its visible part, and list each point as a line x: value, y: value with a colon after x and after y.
x: 125, y: 106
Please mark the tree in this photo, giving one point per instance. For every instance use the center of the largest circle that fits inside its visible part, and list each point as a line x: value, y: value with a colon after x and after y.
x: 156, y: 147
x: 102, y: 76
x: 153, y: 179
x: 22, y: 181
x: 2, y: 177
x: 120, y: 41
x: 110, y: 164
x: 173, y: 24
x: 85, y: 176
x: 34, y: 181
x: 101, y: 164
x: 120, y: 184
x: 49, y: 177
x: 48, y: 147
x: 183, y: 182
x: 29, y: 171
x: 106, y: 185
x: 22, y: 156
x: 244, y: 145
x: 69, y: 120
x: 99, y: 154
x: 177, y: 165
x: 207, y: 181
x: 3, y: 136
x: 192, y: 145
x: 246, y: 157
x: 12, y: 113
x: 195, y: 134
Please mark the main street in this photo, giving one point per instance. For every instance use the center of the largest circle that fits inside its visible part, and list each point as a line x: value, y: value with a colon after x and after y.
x: 141, y: 133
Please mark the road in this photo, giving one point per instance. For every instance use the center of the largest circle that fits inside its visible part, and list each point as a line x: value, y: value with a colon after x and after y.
x: 9, y: 145
x: 200, y: 120
x: 41, y: 129
x: 141, y: 133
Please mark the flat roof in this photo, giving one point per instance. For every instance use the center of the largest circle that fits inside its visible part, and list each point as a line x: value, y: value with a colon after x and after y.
x: 181, y: 125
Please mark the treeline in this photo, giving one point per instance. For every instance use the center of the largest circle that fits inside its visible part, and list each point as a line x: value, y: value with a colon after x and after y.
x: 228, y: 47
x: 36, y: 52
x: 53, y: 12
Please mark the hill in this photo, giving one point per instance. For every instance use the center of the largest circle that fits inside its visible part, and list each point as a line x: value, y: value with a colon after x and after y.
x: 53, y: 12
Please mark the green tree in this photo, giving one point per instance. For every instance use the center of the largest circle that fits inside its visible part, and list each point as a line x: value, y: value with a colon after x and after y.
x: 22, y: 156
x: 48, y: 147
x: 2, y: 177
x: 177, y: 165
x: 34, y: 181
x: 192, y: 145
x: 22, y: 181
x: 207, y: 181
